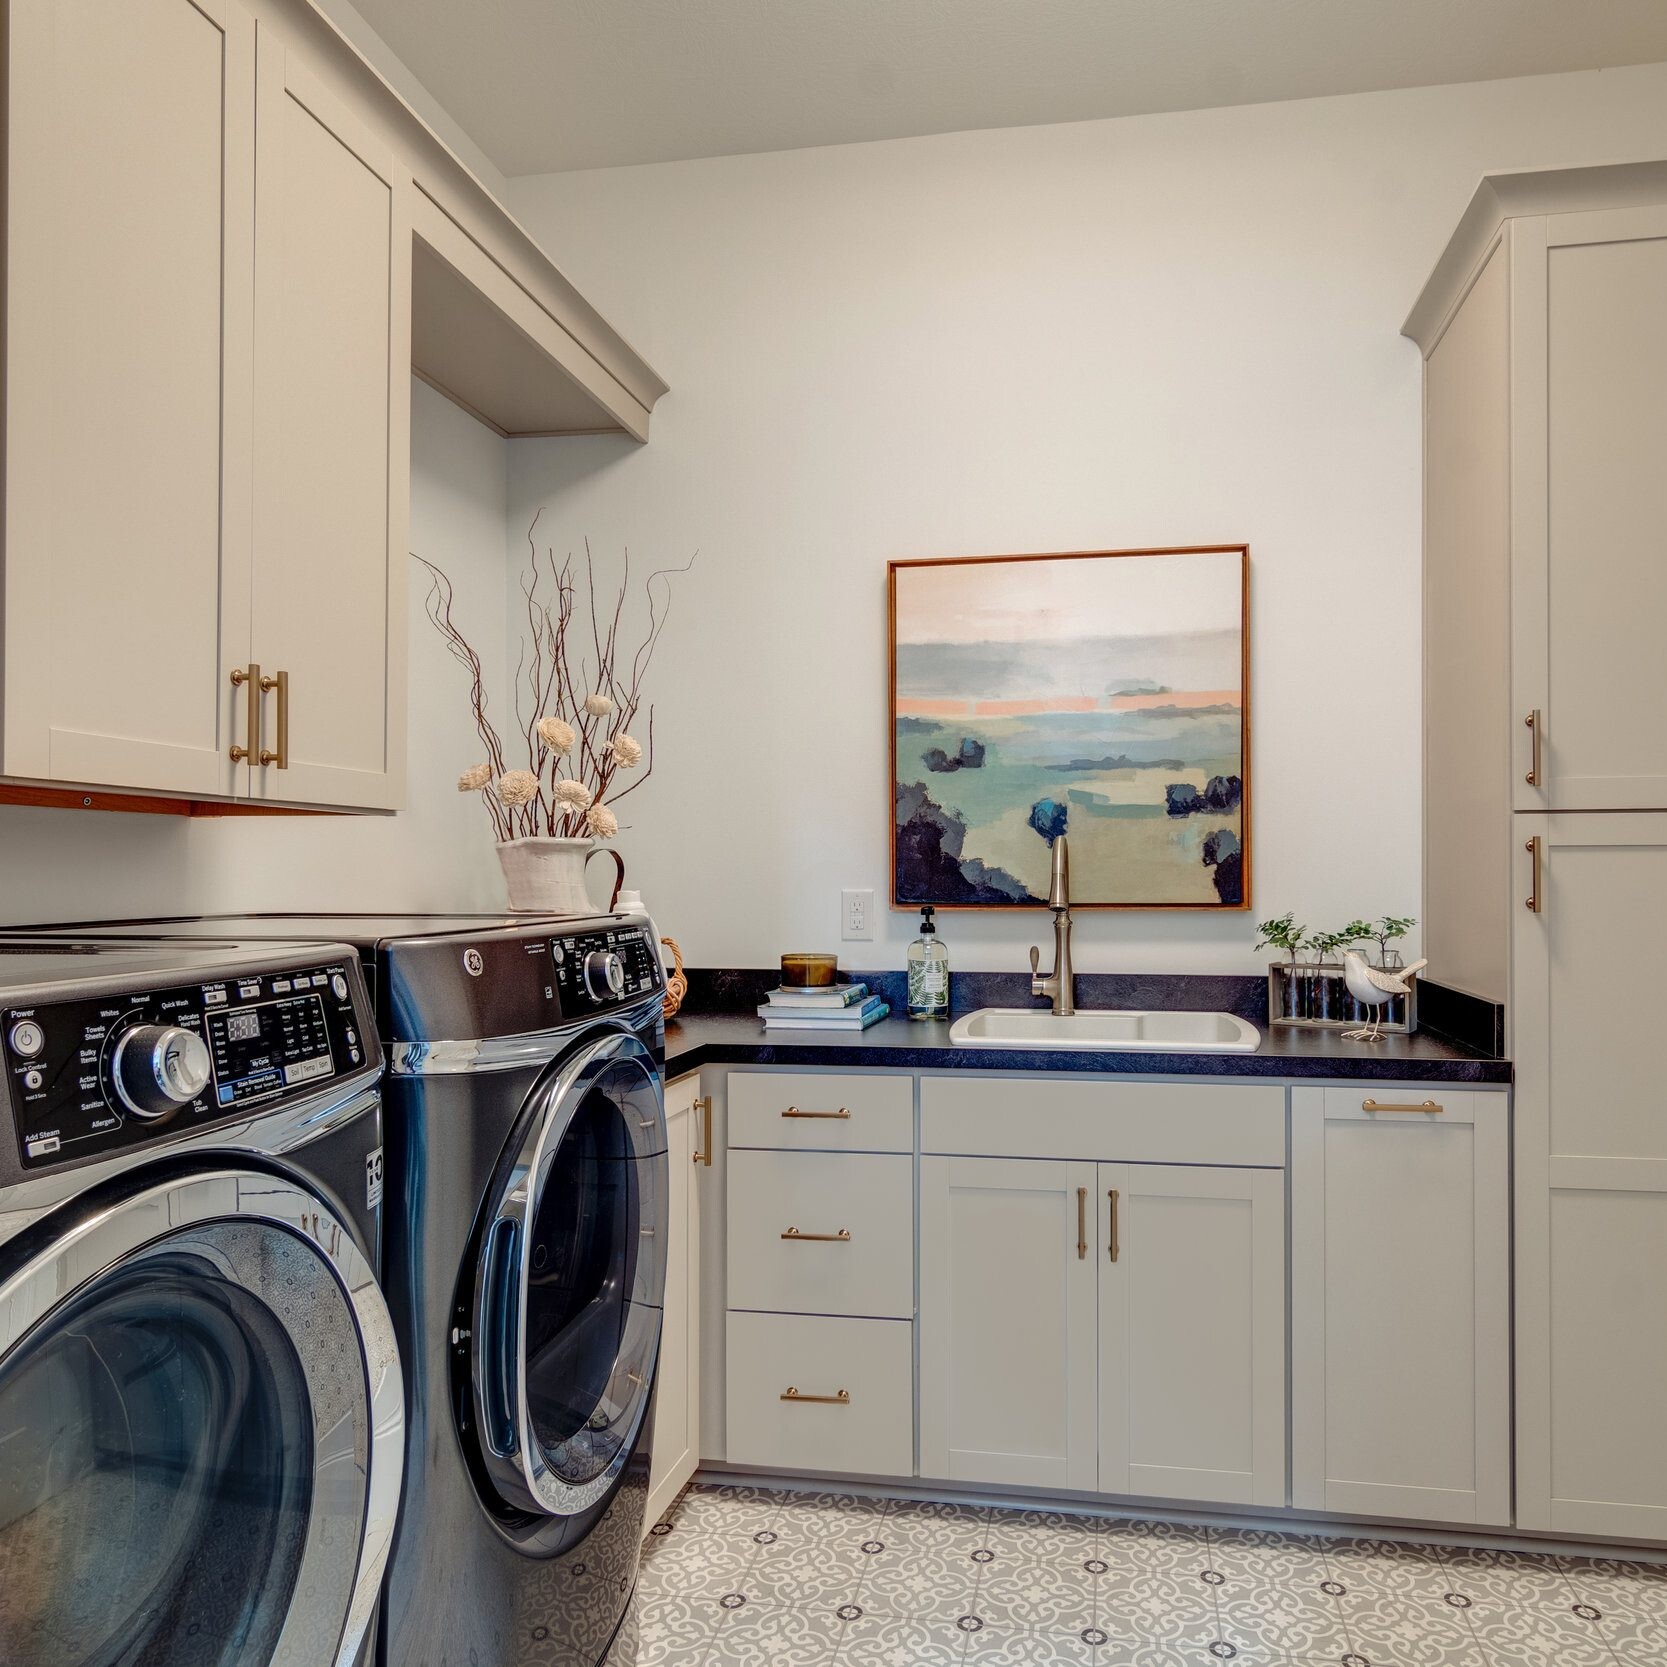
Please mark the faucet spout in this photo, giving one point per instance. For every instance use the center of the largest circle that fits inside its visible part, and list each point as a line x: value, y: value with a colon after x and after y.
x: 1060, y: 984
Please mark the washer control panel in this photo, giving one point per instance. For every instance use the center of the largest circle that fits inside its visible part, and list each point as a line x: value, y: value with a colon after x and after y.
x: 601, y: 969
x: 94, y: 1074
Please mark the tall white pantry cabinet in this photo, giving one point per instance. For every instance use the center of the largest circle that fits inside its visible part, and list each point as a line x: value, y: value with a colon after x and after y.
x: 1544, y: 333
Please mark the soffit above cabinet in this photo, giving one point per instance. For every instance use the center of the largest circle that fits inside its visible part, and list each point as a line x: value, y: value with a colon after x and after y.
x: 1503, y: 196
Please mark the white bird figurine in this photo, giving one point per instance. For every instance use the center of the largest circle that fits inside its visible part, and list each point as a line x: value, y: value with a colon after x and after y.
x: 1372, y: 987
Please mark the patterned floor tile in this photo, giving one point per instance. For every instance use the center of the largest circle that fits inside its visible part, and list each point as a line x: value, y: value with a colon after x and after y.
x: 890, y: 1641
x: 775, y: 1635
x: 1408, y: 1630
x: 925, y: 1524
x: 1301, y: 1619
x: 1042, y: 1536
x: 1036, y: 1595
x: 997, y: 1648
x: 1387, y: 1567
x: 920, y: 1584
x: 1152, y: 1606
x: 672, y: 1633
x: 1167, y: 1546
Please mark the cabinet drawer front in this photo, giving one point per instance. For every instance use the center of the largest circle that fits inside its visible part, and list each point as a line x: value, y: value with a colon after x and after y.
x: 871, y: 1362
x: 1014, y: 1116
x: 821, y: 1195
x: 821, y: 1111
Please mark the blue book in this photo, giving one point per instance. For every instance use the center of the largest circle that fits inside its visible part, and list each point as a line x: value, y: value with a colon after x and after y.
x: 842, y: 1018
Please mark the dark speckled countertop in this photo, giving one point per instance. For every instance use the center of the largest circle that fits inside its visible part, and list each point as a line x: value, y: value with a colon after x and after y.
x: 698, y: 1039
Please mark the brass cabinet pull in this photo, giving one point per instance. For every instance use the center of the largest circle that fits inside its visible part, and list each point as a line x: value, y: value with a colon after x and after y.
x: 247, y: 678
x: 1535, y: 723
x: 1430, y: 1108
x: 1536, y: 853
x: 1082, y: 1224
x: 843, y: 1236
x: 842, y: 1114
x: 1112, y: 1247
x: 840, y: 1397
x: 704, y: 1106
x: 281, y: 684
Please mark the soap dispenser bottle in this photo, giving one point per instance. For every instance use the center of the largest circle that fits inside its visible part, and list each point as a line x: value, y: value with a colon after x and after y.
x: 928, y: 972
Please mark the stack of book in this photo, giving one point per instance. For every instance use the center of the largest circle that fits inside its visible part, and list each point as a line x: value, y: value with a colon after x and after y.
x: 836, y: 1007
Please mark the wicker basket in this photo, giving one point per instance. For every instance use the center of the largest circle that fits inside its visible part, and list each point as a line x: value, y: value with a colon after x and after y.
x: 677, y: 985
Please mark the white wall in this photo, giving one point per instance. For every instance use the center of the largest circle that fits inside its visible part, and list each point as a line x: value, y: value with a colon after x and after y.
x: 1161, y: 330
x: 72, y: 865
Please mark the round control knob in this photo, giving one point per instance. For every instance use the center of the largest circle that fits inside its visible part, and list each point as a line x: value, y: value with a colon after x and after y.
x: 159, y: 1068
x: 604, y: 974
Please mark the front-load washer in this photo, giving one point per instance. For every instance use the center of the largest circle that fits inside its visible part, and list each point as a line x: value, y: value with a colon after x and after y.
x: 524, y: 1265
x: 201, y: 1407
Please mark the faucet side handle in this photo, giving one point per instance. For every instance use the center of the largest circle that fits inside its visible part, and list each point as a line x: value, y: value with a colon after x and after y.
x: 1035, y: 962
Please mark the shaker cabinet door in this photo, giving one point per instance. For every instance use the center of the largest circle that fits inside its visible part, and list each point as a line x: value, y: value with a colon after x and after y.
x: 129, y: 300
x: 332, y: 447
x: 1589, y: 502
x: 1007, y: 1268
x: 1192, y: 1332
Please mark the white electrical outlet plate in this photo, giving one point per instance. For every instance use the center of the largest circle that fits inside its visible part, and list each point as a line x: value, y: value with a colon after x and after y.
x: 856, y: 915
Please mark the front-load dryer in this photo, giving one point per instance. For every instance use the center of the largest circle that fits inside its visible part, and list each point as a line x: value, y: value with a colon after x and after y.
x: 201, y: 1408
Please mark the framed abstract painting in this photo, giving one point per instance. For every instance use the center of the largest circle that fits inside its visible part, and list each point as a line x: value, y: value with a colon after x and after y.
x: 1101, y: 695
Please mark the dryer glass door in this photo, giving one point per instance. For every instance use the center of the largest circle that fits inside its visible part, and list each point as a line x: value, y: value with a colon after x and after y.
x: 571, y: 1282
x: 195, y: 1467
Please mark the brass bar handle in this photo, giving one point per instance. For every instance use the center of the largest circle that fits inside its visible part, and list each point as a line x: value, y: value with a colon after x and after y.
x: 1112, y: 1247
x: 843, y: 1236
x: 1082, y: 1224
x: 1536, y: 853
x: 281, y: 684
x: 842, y: 1114
x: 1430, y: 1108
x: 1535, y: 724
x: 247, y: 678
x: 704, y: 1106
x: 840, y: 1398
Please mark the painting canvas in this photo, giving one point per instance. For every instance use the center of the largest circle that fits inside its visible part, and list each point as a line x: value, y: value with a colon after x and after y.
x: 1100, y: 696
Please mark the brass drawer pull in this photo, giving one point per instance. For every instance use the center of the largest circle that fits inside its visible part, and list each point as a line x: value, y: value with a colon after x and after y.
x: 1535, y: 723
x: 840, y: 1398
x: 1082, y: 1224
x: 281, y: 684
x: 704, y: 1106
x: 1429, y: 1108
x: 842, y: 1114
x: 1112, y: 1196
x: 843, y: 1236
x: 248, y: 679
x: 1536, y: 852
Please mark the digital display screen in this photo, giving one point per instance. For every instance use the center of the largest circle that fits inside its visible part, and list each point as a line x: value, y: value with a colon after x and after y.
x: 242, y: 1027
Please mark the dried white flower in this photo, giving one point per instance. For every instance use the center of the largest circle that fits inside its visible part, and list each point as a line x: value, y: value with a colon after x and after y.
x: 598, y: 706
x: 574, y: 795
x: 627, y: 752
x: 601, y: 821
x: 517, y: 787
x: 556, y: 734
x: 474, y: 778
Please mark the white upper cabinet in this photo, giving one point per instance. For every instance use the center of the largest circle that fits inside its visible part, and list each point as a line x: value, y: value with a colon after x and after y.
x: 332, y: 453
x: 129, y: 285
x: 1192, y: 1332
x: 1589, y: 368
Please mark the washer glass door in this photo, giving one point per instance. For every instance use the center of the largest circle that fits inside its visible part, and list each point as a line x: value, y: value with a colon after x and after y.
x: 571, y: 1282
x: 191, y: 1470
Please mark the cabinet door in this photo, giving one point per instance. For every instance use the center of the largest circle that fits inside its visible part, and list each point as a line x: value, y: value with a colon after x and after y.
x: 1007, y: 1267
x: 1192, y: 1332
x: 129, y: 317
x: 1591, y: 1178
x: 1400, y: 1303
x: 1589, y: 378
x: 676, y: 1450
x: 332, y: 444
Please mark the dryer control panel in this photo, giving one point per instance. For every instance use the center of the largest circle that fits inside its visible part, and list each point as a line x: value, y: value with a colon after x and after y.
x: 89, y: 1075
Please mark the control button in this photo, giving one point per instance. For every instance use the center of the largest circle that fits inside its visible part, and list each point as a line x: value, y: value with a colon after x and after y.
x: 159, y: 1068
x: 352, y: 1037
x: 42, y: 1148
x: 33, y: 1078
x: 338, y: 987
x: 604, y: 974
x: 353, y: 1054
x: 27, y: 1039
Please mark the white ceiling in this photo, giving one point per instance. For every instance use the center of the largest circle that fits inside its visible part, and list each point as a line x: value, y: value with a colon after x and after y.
x: 545, y: 85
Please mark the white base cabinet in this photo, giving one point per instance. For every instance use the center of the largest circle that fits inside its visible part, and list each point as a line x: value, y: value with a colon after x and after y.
x: 676, y: 1449
x: 1100, y: 1327
x: 1400, y: 1303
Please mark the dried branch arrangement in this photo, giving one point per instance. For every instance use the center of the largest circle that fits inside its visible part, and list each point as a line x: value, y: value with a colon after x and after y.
x: 575, y: 699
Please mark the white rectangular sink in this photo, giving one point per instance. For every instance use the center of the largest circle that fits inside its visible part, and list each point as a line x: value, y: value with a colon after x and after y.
x: 1155, y: 1031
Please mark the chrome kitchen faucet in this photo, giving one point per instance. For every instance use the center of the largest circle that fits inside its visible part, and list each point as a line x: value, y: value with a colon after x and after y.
x: 1061, y: 982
